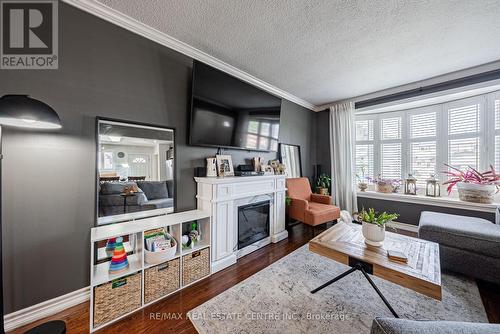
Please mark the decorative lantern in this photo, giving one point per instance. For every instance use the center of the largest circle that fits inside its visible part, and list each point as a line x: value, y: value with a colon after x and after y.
x: 433, y: 189
x: 411, y: 185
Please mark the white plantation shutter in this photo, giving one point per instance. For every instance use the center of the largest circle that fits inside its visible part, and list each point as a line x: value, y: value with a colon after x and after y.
x: 423, y: 147
x: 391, y: 161
x: 497, y: 135
x: 423, y: 125
x: 364, y: 148
x: 364, y: 160
x: 391, y: 128
x: 364, y: 130
x: 463, y: 120
x: 463, y: 136
x: 423, y: 160
x: 390, y: 148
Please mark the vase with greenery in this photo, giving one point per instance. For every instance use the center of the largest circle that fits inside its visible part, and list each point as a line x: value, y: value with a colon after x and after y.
x: 323, y: 184
x: 373, y: 225
x: 472, y: 185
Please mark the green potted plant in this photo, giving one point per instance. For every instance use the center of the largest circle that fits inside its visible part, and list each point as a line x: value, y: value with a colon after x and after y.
x: 373, y: 225
x: 323, y: 184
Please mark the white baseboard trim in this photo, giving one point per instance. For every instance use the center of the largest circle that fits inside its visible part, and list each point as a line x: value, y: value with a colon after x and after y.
x: 45, y: 309
x: 404, y: 226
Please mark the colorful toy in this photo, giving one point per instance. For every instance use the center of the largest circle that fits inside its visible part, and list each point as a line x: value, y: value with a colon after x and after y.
x: 110, y: 246
x: 119, y: 260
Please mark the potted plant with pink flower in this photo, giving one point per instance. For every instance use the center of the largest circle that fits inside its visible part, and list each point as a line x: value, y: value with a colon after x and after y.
x: 472, y: 185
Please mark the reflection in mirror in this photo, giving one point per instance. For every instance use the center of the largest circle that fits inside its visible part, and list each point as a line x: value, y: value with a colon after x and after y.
x: 290, y: 157
x: 135, y: 171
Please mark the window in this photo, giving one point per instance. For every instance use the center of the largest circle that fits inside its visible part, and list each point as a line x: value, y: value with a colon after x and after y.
x: 390, y: 149
x: 463, y: 135
x: 420, y: 141
x: 497, y: 132
x: 423, y: 147
x: 364, y: 148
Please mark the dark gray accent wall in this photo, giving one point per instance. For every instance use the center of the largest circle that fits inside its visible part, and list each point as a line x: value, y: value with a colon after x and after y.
x: 322, y: 135
x: 48, y: 179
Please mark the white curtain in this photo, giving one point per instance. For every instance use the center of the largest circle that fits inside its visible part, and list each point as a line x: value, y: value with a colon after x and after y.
x: 342, y: 146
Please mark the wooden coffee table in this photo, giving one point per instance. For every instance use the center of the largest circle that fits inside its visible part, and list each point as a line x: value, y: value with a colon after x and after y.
x: 344, y: 243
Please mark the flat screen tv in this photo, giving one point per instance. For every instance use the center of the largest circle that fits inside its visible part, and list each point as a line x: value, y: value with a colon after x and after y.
x: 227, y: 112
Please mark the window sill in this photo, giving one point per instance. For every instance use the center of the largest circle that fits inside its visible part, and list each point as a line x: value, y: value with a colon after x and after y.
x: 448, y: 202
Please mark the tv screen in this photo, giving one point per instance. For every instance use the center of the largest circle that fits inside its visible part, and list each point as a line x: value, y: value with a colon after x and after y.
x: 227, y: 112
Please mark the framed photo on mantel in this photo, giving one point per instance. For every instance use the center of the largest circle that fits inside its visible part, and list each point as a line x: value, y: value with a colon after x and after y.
x: 224, y: 165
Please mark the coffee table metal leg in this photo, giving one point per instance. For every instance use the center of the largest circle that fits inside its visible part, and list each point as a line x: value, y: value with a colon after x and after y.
x: 359, y: 266
x: 379, y: 293
x: 334, y: 280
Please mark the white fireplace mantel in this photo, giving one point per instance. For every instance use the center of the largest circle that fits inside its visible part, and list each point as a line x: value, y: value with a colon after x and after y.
x: 222, y: 196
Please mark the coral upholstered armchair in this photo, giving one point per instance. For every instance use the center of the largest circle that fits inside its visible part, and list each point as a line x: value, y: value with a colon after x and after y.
x: 311, y: 209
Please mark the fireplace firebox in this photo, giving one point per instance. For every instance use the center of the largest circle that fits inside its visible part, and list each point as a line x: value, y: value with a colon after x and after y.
x: 253, y: 223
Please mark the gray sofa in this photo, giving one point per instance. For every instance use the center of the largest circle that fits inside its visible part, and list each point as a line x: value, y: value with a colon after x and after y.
x: 405, y: 326
x: 467, y: 245
x: 151, y: 195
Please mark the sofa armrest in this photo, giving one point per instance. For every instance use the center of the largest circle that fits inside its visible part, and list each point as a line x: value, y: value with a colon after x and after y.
x: 323, y: 199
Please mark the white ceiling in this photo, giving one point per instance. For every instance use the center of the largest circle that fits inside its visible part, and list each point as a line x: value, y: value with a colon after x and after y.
x: 323, y: 51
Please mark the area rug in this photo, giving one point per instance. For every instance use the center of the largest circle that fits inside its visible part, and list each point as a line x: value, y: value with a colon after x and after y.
x: 278, y: 300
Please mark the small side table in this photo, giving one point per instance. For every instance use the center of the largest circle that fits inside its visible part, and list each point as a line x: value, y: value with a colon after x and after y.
x: 125, y: 196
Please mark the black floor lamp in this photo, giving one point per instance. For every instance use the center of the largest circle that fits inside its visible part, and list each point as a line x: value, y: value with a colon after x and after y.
x: 23, y: 111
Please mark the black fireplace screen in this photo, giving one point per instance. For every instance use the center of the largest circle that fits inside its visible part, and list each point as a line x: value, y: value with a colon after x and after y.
x: 253, y: 223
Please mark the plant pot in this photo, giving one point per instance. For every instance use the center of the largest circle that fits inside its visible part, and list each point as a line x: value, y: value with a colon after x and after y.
x: 322, y: 191
x: 374, y: 234
x: 384, y: 187
x: 363, y: 186
x: 477, y: 193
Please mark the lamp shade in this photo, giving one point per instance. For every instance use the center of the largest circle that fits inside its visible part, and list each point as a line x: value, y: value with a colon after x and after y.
x: 23, y: 111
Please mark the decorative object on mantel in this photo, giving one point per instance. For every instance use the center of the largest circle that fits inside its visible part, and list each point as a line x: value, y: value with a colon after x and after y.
x: 410, y: 185
x: 323, y: 184
x: 119, y: 262
x: 472, y: 185
x: 225, y: 165
x: 275, y: 166
x: 211, y: 167
x: 267, y: 169
x: 433, y: 188
x: 373, y: 225
x: 386, y: 185
x: 257, y: 163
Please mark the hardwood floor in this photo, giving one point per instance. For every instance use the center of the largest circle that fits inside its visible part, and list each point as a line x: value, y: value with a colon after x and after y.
x: 169, y: 315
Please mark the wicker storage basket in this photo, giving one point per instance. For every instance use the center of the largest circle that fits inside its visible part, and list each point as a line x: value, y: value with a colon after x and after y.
x: 116, y: 298
x: 195, y: 265
x: 162, y: 279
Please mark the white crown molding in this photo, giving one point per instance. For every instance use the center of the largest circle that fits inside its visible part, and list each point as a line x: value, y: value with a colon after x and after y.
x: 111, y: 15
x: 45, y: 309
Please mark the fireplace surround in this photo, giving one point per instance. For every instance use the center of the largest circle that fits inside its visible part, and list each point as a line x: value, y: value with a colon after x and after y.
x: 224, y: 197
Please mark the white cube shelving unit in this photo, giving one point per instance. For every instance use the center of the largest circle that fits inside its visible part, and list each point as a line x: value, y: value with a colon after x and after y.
x: 135, y: 230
